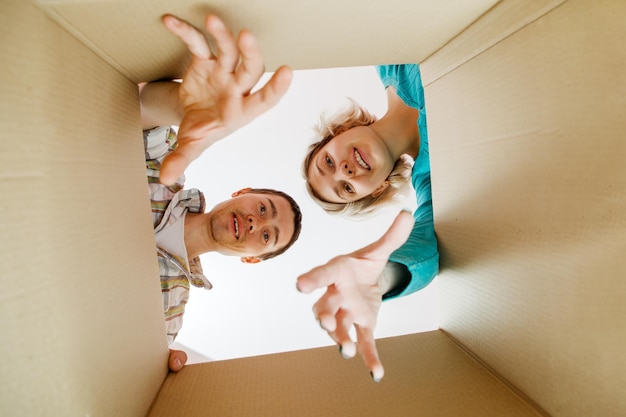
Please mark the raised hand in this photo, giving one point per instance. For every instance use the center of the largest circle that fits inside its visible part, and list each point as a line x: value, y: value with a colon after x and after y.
x: 215, y: 94
x: 354, y: 293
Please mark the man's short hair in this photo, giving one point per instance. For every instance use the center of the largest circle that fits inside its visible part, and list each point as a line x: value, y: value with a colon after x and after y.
x: 297, y: 220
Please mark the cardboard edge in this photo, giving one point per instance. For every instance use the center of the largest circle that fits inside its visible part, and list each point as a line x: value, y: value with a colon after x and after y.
x: 495, y: 25
x: 510, y: 387
x: 50, y: 11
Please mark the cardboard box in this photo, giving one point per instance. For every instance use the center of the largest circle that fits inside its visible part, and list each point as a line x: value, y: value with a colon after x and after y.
x: 525, y: 112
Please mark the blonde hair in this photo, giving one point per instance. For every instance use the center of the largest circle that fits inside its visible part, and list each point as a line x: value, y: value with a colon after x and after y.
x: 352, y: 116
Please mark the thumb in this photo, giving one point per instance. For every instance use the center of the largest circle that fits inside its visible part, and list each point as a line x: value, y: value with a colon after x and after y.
x: 394, y: 237
x: 173, y: 167
x: 318, y: 277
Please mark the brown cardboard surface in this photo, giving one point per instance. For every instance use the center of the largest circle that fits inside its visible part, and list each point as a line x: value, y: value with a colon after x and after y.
x: 427, y: 375
x: 504, y: 19
x: 526, y: 106
x: 78, y: 274
x: 527, y: 152
x: 319, y: 34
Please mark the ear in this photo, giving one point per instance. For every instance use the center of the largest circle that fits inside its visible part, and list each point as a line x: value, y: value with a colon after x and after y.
x: 250, y: 259
x: 382, y: 187
x: 242, y: 191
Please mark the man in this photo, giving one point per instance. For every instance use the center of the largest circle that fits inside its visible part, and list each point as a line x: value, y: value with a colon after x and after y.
x: 255, y: 224
x: 212, y: 101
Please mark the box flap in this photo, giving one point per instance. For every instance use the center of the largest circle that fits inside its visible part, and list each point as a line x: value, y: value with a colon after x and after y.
x: 304, y: 35
x: 427, y: 374
x: 527, y: 152
x: 82, y: 329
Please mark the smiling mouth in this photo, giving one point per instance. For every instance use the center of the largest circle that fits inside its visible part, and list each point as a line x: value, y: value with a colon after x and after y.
x: 236, y: 223
x: 360, y: 160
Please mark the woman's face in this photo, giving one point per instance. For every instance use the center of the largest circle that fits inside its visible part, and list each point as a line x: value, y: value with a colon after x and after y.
x: 350, y: 166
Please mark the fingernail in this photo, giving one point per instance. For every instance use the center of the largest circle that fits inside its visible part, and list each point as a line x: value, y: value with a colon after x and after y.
x: 177, y: 363
x: 343, y: 355
x: 374, y: 378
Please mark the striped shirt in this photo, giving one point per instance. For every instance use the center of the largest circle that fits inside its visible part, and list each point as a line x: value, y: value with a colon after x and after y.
x: 170, y: 204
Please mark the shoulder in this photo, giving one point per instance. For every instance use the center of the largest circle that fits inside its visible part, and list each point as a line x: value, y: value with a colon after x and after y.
x: 406, y: 80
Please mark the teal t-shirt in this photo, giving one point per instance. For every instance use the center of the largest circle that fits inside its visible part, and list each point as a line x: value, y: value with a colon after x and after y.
x: 419, y: 254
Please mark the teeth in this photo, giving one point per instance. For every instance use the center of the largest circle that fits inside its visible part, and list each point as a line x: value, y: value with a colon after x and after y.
x: 236, y: 228
x: 360, y: 160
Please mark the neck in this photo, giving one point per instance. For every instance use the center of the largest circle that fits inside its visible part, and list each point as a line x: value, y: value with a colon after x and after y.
x: 398, y: 127
x: 196, y: 235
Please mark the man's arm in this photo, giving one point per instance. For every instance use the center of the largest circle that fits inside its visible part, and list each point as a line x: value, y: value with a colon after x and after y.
x: 215, y: 96
x: 160, y: 104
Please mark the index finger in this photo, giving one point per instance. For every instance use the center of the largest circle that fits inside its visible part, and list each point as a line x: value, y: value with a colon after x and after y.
x: 369, y: 353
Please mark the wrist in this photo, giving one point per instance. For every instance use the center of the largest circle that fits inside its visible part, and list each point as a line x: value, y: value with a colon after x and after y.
x: 394, y: 278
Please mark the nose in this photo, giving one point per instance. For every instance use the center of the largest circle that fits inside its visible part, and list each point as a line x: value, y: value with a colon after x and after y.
x: 347, y: 169
x: 253, y: 223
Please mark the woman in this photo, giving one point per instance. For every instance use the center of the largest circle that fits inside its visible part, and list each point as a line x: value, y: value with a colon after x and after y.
x: 357, y: 166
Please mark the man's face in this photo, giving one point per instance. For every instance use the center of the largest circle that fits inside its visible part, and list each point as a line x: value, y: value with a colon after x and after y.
x: 251, y: 224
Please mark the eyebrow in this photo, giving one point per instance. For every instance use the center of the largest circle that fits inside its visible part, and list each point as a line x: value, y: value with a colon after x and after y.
x: 273, y: 208
x: 274, y: 214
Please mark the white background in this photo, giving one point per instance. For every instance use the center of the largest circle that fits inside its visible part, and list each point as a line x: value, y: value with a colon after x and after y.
x: 256, y: 309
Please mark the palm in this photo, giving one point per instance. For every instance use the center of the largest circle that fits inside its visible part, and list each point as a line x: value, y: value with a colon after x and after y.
x: 215, y: 94
x: 353, y: 296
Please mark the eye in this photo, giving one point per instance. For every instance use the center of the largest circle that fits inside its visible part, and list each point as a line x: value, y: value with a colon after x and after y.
x: 262, y: 209
x: 329, y: 161
x: 266, y: 237
x: 348, y: 188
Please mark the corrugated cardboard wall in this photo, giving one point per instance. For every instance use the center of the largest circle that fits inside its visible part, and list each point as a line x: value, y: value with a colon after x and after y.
x: 529, y: 181
x: 82, y: 329
x: 531, y: 222
x: 304, y: 35
x: 427, y: 374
